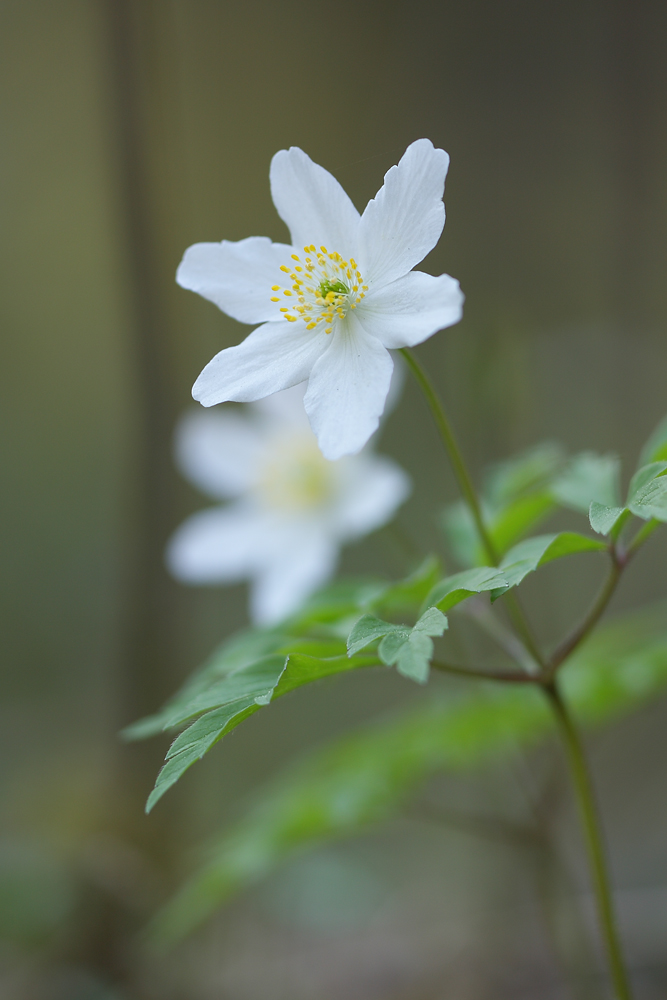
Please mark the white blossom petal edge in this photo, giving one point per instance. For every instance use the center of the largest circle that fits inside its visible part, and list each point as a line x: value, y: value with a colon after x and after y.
x: 291, y: 509
x: 334, y: 302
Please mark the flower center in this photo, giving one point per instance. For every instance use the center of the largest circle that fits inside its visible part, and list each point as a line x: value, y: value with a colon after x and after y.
x: 324, y: 287
x: 297, y: 477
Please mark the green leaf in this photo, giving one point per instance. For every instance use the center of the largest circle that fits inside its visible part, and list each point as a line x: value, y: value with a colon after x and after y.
x: 454, y: 589
x: 340, y: 789
x: 515, y: 520
x: 644, y: 476
x: 411, y: 650
x: 587, y: 478
x: 343, y: 788
x: 603, y: 518
x: 532, y: 553
x: 461, y: 533
x: 255, y: 681
x: 655, y: 449
x: 515, y: 498
x: 233, y: 699
x: 367, y: 630
x: 408, y: 594
x: 505, y: 525
x: 515, y: 477
x: 331, y: 609
x: 651, y: 500
x: 192, y: 744
x: 235, y: 653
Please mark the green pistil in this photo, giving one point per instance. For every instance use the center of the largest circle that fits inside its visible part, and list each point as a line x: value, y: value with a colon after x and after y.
x: 332, y: 286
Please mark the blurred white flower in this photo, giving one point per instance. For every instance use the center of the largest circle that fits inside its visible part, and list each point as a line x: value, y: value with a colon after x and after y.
x: 291, y: 509
x: 334, y: 302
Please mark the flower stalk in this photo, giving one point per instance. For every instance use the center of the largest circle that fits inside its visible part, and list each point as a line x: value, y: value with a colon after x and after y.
x: 545, y: 677
x: 591, y: 826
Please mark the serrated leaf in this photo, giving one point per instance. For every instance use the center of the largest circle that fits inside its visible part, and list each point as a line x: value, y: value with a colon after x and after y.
x: 361, y: 779
x: 411, y: 650
x: 343, y: 788
x: 655, y: 449
x: 233, y: 654
x: 367, y: 630
x: 454, y: 589
x: 532, y: 553
x: 651, y: 500
x: 256, y: 681
x: 236, y: 653
x: 252, y: 687
x: 603, y: 519
x: 588, y: 477
x: 195, y: 741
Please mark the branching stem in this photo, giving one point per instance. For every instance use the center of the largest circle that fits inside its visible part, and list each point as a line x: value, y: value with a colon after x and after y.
x: 583, y: 787
x: 509, y: 676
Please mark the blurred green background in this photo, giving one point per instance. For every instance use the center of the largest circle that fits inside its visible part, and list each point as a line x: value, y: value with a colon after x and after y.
x: 133, y: 128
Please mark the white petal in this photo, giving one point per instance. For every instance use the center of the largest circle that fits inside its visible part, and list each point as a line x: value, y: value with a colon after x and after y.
x: 218, y: 451
x: 312, y: 203
x: 218, y: 545
x: 237, y: 276
x: 405, y: 219
x: 411, y: 309
x: 373, y: 488
x: 347, y: 390
x: 305, y: 560
x: 272, y: 357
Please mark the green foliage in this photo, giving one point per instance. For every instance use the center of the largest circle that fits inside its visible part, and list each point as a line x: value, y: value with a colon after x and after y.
x: 242, y: 693
x: 588, y: 477
x: 515, y: 498
x: 361, y: 779
x: 603, y: 519
x: 521, y: 492
x: 459, y: 587
x: 532, y: 553
x: 650, y: 500
x: 642, y: 477
x: 409, y: 649
x: 647, y: 498
x: 655, y: 449
x: 408, y: 595
x: 251, y: 669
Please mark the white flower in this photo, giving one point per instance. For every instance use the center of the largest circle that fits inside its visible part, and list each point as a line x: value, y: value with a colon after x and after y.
x: 331, y: 304
x: 291, y: 509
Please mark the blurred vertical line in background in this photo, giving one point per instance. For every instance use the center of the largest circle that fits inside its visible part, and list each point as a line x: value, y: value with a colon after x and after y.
x: 637, y: 75
x: 146, y: 643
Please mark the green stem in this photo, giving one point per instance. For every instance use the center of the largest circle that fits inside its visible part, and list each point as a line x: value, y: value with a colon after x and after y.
x: 571, y: 642
x: 593, y: 837
x: 453, y: 451
x: 620, y: 560
x: 641, y: 536
x: 468, y: 491
x: 509, y: 676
